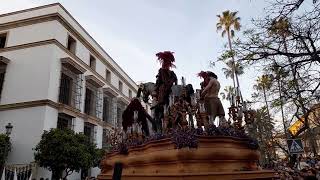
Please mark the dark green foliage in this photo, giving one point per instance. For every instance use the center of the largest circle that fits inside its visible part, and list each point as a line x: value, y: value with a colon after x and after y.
x: 64, y: 150
x: 5, y: 147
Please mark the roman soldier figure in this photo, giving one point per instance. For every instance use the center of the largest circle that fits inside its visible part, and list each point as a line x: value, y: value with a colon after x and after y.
x: 165, y: 78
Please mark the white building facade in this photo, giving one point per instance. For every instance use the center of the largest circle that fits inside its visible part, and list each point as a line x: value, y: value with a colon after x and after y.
x: 53, y: 74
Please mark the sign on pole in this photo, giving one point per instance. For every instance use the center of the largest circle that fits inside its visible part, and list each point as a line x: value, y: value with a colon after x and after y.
x: 295, y: 146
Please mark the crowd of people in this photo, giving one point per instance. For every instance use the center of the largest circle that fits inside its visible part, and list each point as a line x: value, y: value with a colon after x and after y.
x: 305, y: 168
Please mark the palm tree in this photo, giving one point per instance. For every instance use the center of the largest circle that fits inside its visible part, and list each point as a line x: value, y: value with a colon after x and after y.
x: 279, y: 74
x: 228, y: 93
x: 229, y: 23
x: 261, y: 129
x: 264, y: 83
x: 232, y: 69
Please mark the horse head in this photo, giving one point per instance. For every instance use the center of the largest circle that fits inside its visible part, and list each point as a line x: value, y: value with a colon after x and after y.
x: 146, y: 89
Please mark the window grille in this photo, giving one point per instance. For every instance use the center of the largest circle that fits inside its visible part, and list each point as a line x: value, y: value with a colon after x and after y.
x: 105, y: 137
x: 95, y: 129
x: 2, y: 75
x: 99, y: 105
x: 73, y: 123
x: 70, y: 88
x: 3, y: 39
x: 89, y: 131
x: 93, y: 101
x: 65, y: 121
x: 107, y: 107
x: 78, y: 91
x: 88, y: 102
x: 114, y: 111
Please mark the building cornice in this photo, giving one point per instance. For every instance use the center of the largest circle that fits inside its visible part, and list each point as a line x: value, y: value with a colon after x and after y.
x: 62, y: 108
x: 110, y: 91
x: 31, y: 9
x: 66, y: 24
x: 125, y: 101
x: 4, y: 60
x: 29, y: 104
x: 72, y: 65
x: 63, y: 48
x: 94, y: 81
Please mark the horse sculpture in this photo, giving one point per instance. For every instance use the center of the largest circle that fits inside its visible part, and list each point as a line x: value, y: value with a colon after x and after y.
x: 177, y: 91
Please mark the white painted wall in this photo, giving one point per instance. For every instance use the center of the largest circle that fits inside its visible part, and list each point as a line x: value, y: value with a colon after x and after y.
x: 51, y: 118
x: 99, y: 131
x: 78, y: 125
x: 28, y: 125
x: 31, y: 33
x: 27, y: 75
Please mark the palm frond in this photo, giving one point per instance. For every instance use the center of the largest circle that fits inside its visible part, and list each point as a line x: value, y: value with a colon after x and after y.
x: 232, y: 33
x: 223, y: 33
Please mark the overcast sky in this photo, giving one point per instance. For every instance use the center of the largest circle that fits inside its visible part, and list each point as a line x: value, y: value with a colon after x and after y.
x: 133, y: 31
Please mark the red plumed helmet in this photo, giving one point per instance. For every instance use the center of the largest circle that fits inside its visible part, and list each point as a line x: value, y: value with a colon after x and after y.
x: 203, y: 74
x: 166, y: 59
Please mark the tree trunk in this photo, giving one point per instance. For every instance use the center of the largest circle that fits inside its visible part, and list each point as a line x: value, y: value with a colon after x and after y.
x: 235, y: 75
x: 281, y: 106
x: 57, y: 175
x: 312, y: 141
x: 265, y: 100
x: 269, y: 117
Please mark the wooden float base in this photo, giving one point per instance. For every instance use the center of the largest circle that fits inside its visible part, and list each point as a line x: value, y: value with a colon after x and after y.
x: 214, y: 158
x: 260, y: 175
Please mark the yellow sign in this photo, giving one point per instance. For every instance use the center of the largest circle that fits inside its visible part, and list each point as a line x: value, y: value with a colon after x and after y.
x: 295, y: 127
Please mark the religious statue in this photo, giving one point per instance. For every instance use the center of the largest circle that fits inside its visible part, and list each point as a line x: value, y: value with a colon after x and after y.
x: 209, y: 93
x: 165, y: 78
x: 128, y: 117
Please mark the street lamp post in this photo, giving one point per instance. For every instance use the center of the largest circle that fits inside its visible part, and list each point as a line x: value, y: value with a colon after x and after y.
x: 9, y: 129
x: 8, y: 132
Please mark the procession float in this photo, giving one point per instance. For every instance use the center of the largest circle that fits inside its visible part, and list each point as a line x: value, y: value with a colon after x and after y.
x: 181, y: 139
